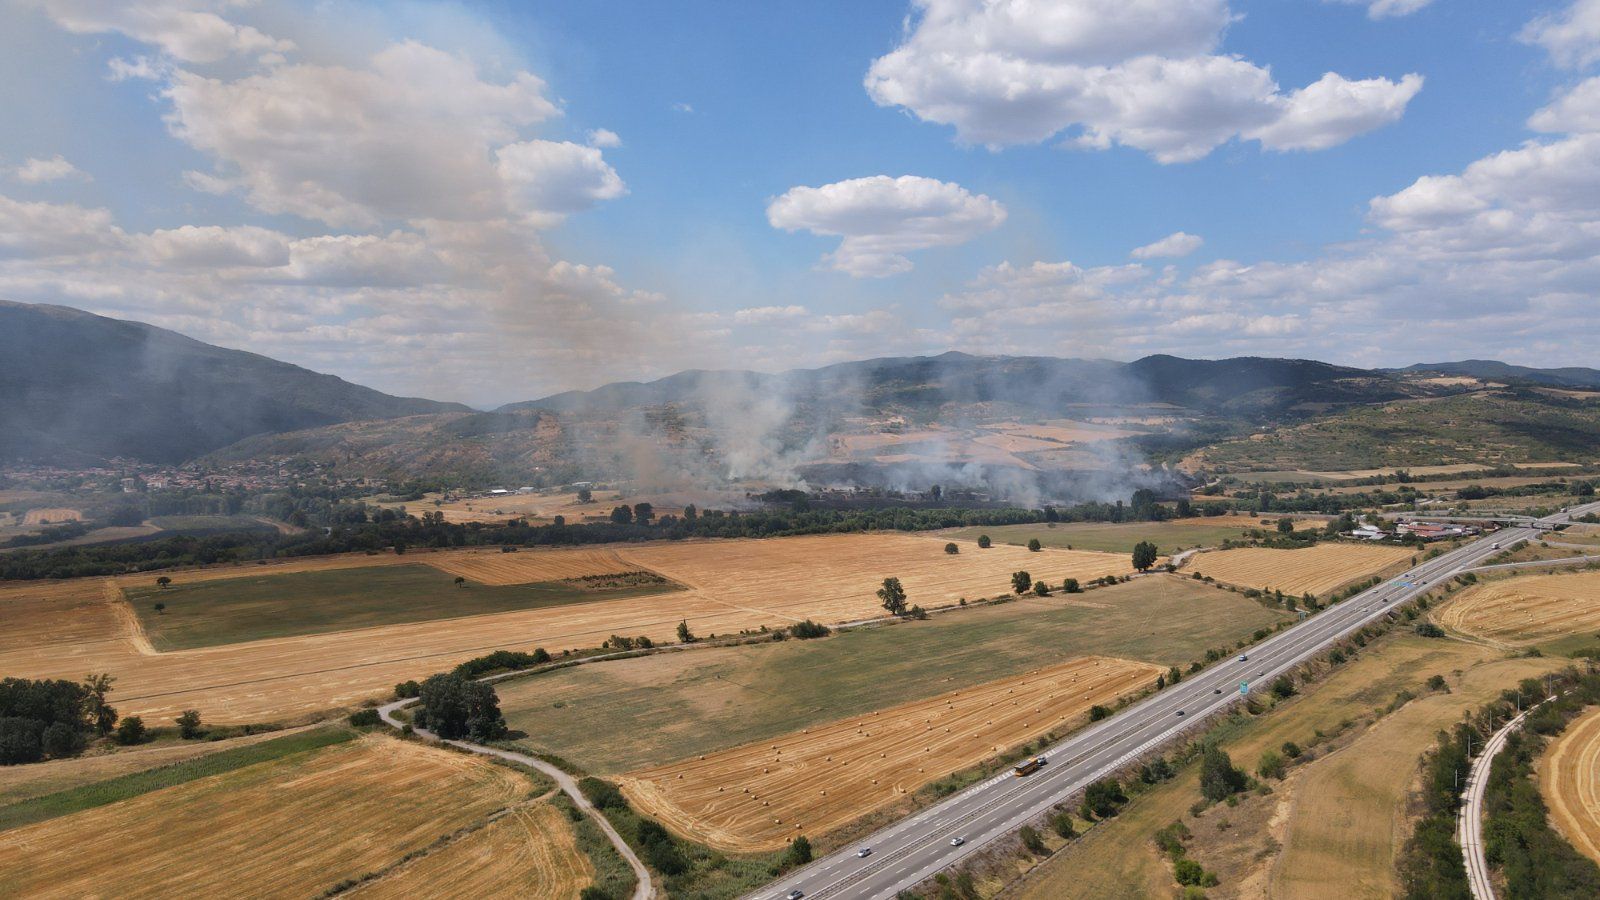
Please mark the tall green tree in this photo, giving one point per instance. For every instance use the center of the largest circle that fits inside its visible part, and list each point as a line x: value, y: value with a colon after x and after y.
x: 893, y: 596
x: 1144, y: 555
x: 1021, y: 582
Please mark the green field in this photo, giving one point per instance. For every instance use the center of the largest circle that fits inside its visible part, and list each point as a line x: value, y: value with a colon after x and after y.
x: 1109, y: 537
x: 617, y: 716
x: 232, y: 610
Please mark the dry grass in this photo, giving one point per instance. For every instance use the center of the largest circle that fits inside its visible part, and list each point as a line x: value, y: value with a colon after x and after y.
x: 65, y: 629
x: 19, y: 783
x: 1319, y: 569
x: 759, y: 796
x: 525, y: 567
x: 1567, y: 780
x: 288, y: 828
x: 528, y: 854
x: 51, y: 515
x: 1527, y: 609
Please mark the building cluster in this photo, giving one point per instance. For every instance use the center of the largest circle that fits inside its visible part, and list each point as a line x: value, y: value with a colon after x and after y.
x: 1424, y: 531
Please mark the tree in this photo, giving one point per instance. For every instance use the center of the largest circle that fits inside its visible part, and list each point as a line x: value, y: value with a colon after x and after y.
x: 1021, y: 582
x: 1218, y: 778
x: 799, y: 852
x: 163, y: 581
x: 1283, y: 687
x: 643, y: 513
x: 621, y: 515
x: 1291, y: 749
x: 951, y: 548
x: 461, y: 581
x: 1144, y: 555
x: 1071, y: 586
x: 130, y: 731
x: 685, y: 636
x: 1034, y: 546
x: 61, y: 740
x: 1061, y: 824
x: 1031, y: 840
x: 189, y: 724
x: 20, y: 740
x: 585, y: 495
x: 690, y: 513
x: 983, y: 542
x: 1103, y: 798
x: 455, y: 707
x: 1041, y: 589
x: 893, y: 596
x: 1285, y: 525
x: 160, y: 608
x: 101, y: 717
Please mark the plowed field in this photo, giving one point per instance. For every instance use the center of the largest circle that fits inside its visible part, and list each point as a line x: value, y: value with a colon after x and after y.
x: 1319, y: 569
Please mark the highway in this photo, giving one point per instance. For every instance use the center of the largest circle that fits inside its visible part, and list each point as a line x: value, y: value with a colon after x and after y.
x: 913, y: 849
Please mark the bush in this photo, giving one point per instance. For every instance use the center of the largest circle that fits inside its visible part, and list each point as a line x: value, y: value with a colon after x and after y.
x: 951, y: 548
x: 983, y: 542
x: 1429, y: 630
x: 1031, y: 839
x: 1034, y: 546
x: 1041, y: 589
x: 365, y: 718
x: 130, y: 731
x: 799, y: 853
x: 1218, y: 777
x: 1061, y: 824
x: 603, y: 794
x: 660, y: 850
x: 189, y: 724
x: 1291, y: 749
x: 1271, y: 765
x: 1098, y: 712
x: 407, y: 690
x: 1187, y: 871
x: 498, y: 660
x: 1283, y: 687
x: 1071, y: 586
x: 809, y: 629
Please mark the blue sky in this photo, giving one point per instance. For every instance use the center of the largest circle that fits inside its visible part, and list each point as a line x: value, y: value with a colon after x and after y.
x: 420, y: 197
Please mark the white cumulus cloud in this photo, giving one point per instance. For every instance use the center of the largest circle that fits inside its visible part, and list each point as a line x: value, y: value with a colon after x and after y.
x: 1387, y: 9
x: 549, y: 180
x: 1177, y: 244
x: 190, y: 30
x: 1140, y: 73
x: 39, y: 171
x: 881, y: 219
x: 1571, y: 36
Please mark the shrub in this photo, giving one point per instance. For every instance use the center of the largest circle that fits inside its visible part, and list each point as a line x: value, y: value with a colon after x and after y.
x: 1071, y: 586
x: 1098, y: 712
x: 130, y: 731
x: 189, y: 724
x: 799, y: 852
x: 1429, y: 630
x: 1187, y: 871
x: 496, y: 661
x: 1283, y: 687
x: 407, y: 690
x: 983, y: 542
x: 951, y: 548
x: 1291, y: 749
x: 1061, y: 824
x: 1041, y: 589
x: 1031, y: 839
x: 364, y: 718
x: 809, y: 629
x: 1218, y: 777
x: 603, y: 794
x: 1271, y: 765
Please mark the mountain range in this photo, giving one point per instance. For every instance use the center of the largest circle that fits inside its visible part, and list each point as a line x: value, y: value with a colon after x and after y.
x: 79, y: 387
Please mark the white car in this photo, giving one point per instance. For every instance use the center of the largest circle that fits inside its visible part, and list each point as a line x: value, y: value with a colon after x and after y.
x: 957, y: 841
x: 796, y: 894
x: 864, y: 852
x: 1243, y: 657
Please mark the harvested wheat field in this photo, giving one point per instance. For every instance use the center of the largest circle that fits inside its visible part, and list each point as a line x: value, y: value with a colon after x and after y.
x: 65, y: 629
x: 1568, y: 781
x: 1528, y: 609
x: 491, y: 566
x: 289, y: 828
x: 829, y: 577
x: 759, y: 796
x: 51, y: 516
x: 528, y: 853
x: 1319, y: 569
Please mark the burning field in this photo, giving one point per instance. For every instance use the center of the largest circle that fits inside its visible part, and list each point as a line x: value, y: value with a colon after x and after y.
x: 759, y: 796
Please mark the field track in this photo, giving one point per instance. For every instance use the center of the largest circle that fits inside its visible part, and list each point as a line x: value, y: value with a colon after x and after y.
x: 64, y: 629
x: 1527, y: 609
x: 528, y: 854
x: 759, y: 796
x: 1319, y: 569
x: 1570, y: 782
x: 248, y: 831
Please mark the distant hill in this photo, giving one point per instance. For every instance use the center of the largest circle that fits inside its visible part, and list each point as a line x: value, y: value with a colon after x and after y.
x: 77, y: 387
x: 924, y: 385
x: 1490, y: 370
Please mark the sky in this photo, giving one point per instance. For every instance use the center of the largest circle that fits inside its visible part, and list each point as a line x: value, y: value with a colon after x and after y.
x: 493, y: 201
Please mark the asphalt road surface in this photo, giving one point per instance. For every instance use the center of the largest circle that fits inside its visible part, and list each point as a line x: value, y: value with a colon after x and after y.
x: 913, y: 849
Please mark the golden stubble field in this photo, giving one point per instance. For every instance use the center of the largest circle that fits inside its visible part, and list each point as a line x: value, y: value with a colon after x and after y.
x: 288, y: 828
x: 1319, y: 569
x: 1568, y: 780
x: 759, y: 796
x: 1527, y: 609
x: 66, y: 629
x: 527, y: 854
